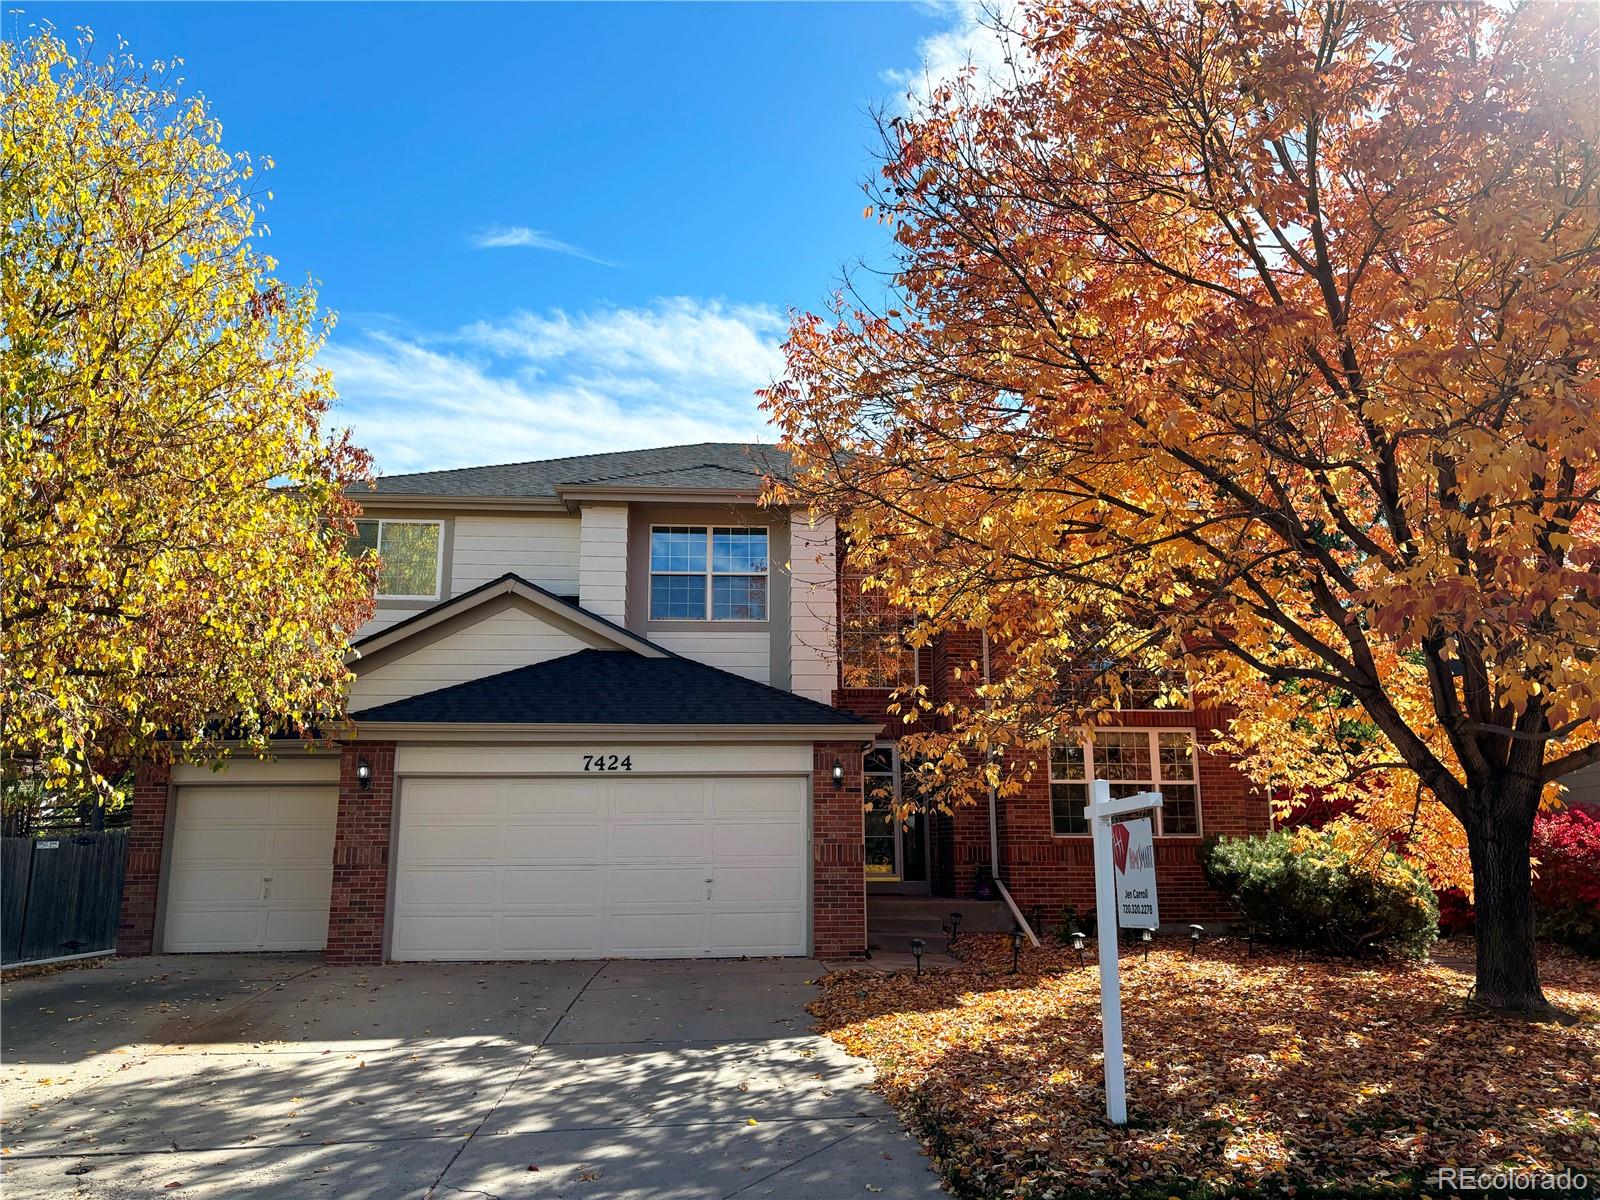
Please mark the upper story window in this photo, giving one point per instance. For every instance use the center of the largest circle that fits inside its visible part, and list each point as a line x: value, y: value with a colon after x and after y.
x: 699, y: 572
x: 408, y: 553
x: 873, y: 650
x: 1132, y: 761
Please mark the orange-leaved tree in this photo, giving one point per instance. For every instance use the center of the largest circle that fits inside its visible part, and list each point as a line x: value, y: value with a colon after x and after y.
x: 1258, y: 340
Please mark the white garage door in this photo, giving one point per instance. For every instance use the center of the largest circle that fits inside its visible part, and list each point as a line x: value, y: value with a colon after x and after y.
x: 252, y: 868
x: 588, y: 868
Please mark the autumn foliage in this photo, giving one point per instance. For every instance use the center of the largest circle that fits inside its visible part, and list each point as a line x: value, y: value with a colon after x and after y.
x: 175, y: 513
x: 1253, y: 347
x: 1258, y: 1074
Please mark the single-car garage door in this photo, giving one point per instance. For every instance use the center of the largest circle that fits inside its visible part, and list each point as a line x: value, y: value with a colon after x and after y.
x: 251, y: 868
x: 609, y: 867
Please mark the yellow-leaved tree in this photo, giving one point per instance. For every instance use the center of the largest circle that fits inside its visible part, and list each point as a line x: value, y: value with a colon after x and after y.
x: 1256, y: 341
x: 174, y: 515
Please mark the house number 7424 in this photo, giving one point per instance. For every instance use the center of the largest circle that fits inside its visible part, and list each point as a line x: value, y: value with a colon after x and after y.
x: 607, y: 762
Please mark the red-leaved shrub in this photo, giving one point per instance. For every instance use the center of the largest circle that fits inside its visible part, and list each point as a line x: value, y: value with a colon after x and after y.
x: 1566, y: 888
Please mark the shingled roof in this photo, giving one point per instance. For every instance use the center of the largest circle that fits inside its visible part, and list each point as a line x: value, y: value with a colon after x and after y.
x: 703, y: 466
x: 614, y: 687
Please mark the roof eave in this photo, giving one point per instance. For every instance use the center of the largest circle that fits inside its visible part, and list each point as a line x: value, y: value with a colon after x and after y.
x: 442, y: 500
x: 464, y: 731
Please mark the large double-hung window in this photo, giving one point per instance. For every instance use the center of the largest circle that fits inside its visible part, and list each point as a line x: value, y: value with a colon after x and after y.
x: 1132, y: 761
x: 700, y: 572
x: 408, y: 556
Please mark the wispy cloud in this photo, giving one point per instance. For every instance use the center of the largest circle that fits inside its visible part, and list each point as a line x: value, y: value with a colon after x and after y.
x: 978, y: 35
x: 508, y: 237
x: 543, y: 385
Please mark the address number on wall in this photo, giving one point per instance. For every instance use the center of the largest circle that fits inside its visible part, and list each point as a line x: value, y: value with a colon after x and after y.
x: 607, y: 762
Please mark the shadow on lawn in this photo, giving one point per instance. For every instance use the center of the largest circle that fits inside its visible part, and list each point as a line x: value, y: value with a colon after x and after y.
x: 1245, y: 1075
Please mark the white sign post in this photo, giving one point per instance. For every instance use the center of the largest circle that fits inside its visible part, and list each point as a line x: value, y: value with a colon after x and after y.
x: 1100, y: 811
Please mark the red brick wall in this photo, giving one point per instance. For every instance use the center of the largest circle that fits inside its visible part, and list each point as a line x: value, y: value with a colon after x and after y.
x: 1052, y: 872
x: 141, y: 883
x: 361, y: 856
x: 838, y: 853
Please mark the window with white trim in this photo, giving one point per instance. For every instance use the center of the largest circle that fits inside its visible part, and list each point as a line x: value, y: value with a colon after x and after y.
x: 700, y: 572
x: 1131, y: 761
x: 409, y: 565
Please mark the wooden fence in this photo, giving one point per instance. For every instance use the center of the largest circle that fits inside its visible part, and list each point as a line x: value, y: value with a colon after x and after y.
x: 59, y: 895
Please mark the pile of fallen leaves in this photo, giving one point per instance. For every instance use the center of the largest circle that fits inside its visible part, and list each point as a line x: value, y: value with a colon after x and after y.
x: 1247, y: 1074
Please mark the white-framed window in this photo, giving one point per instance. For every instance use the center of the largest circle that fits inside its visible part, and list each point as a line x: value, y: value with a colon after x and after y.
x: 701, y: 572
x: 410, y: 555
x: 1132, y: 761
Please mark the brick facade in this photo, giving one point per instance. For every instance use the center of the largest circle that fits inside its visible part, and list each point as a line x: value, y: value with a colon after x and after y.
x: 838, y: 853
x: 361, y: 855
x: 141, y: 880
x: 1051, y: 872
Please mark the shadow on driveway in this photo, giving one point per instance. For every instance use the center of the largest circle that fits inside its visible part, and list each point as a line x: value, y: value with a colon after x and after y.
x: 264, y: 1075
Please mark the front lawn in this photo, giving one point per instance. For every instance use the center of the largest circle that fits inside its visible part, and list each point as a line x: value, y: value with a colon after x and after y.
x: 1246, y: 1076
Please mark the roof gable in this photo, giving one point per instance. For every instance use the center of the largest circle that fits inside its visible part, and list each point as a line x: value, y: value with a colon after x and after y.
x: 505, y: 624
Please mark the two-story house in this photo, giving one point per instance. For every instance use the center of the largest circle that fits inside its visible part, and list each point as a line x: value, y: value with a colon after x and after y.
x: 600, y: 712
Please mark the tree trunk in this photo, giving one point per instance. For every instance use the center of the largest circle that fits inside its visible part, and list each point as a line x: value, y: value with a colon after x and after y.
x: 1499, y: 838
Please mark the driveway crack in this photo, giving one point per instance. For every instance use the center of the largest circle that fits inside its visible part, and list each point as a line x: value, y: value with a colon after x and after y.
x: 745, y: 1187
x: 516, y: 1079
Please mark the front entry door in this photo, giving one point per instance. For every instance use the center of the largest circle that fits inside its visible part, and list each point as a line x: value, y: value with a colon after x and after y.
x: 897, y: 851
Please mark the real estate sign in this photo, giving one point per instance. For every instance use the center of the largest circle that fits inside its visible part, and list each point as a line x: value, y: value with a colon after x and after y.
x: 1133, y: 855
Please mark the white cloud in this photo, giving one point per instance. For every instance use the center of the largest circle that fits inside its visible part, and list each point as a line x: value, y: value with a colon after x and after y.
x: 504, y: 237
x: 554, y: 384
x: 975, y: 37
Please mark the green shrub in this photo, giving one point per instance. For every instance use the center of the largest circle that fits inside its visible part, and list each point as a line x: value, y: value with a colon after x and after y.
x: 1326, y: 889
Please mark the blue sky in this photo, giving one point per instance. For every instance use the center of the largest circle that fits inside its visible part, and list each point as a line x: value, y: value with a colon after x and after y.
x: 547, y: 228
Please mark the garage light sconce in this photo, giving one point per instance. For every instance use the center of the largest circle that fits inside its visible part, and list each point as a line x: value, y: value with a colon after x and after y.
x: 838, y: 773
x: 364, y: 774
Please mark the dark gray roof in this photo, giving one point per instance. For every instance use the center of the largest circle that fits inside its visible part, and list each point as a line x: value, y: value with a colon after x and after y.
x: 613, y: 687
x: 708, y: 466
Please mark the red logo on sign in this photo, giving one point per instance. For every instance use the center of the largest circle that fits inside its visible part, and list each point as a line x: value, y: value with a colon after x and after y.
x: 1119, y: 847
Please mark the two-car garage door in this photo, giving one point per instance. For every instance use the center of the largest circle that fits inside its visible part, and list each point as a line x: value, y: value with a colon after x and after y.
x: 564, y: 867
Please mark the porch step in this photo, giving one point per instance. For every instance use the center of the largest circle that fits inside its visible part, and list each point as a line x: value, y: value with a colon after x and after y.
x: 892, y: 921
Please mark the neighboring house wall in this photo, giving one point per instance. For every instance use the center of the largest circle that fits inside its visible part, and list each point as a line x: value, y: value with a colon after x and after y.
x: 813, y: 608
x: 1583, y: 787
x: 481, y: 643
x: 541, y: 549
x: 603, y: 561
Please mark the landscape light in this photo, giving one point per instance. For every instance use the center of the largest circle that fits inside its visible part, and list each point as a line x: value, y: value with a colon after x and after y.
x: 952, y: 930
x: 1077, y: 944
x: 1145, y: 937
x: 1016, y: 950
x: 1194, y: 937
x: 917, y: 947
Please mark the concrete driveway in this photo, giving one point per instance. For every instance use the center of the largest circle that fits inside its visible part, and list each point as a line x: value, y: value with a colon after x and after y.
x: 271, y: 1075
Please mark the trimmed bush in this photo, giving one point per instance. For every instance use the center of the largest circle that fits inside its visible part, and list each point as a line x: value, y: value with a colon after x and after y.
x: 1327, y: 889
x: 1566, y: 882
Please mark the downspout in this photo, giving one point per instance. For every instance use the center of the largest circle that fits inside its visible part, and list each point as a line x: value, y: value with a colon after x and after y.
x: 994, y: 829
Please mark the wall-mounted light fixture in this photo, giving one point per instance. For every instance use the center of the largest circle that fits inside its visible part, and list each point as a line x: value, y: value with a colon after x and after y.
x: 838, y: 773
x: 364, y: 774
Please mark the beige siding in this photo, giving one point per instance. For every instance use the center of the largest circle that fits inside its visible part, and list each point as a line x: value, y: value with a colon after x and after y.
x: 382, y: 619
x: 502, y: 641
x: 648, y: 758
x: 603, y: 561
x: 743, y: 653
x: 813, y: 609
x: 543, y: 550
